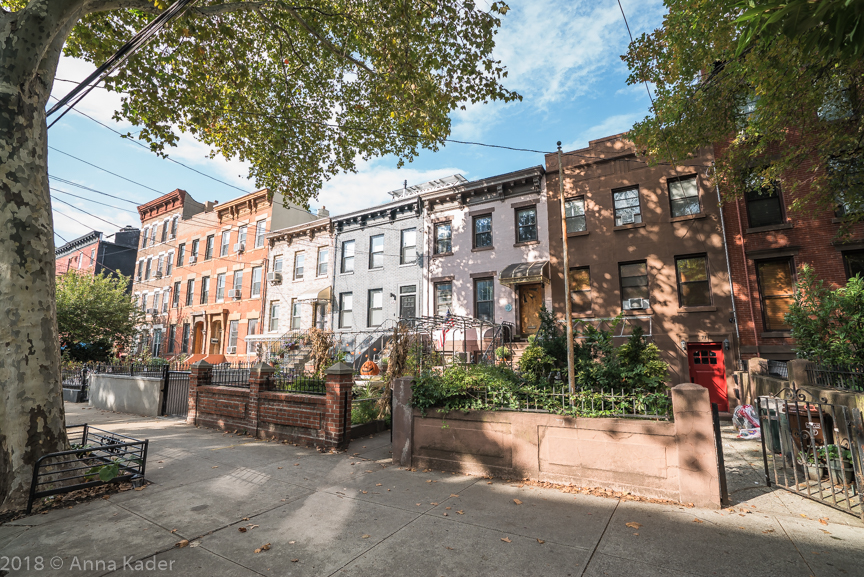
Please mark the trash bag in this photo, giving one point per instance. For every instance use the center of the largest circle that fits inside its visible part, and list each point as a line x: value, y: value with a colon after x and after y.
x: 750, y: 434
x: 745, y: 417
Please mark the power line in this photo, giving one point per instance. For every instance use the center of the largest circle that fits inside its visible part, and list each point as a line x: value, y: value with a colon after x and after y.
x: 87, y: 213
x: 106, y: 170
x: 91, y: 200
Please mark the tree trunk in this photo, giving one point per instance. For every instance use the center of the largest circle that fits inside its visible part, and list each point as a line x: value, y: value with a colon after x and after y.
x: 32, y: 418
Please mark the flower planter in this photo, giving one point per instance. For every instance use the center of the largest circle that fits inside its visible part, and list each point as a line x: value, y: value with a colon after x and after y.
x: 844, y: 475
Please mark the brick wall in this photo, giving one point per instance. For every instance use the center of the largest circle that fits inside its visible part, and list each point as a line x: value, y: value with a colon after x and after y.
x: 312, y: 420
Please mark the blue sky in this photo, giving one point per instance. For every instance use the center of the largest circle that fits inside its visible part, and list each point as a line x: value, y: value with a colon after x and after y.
x: 562, y: 56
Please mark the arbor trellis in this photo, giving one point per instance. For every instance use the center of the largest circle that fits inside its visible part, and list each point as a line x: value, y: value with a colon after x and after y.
x: 299, y: 92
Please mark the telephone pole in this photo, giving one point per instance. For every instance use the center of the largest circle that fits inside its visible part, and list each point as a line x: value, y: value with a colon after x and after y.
x: 568, y: 305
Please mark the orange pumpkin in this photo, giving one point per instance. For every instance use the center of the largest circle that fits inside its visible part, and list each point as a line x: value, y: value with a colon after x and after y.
x: 369, y: 369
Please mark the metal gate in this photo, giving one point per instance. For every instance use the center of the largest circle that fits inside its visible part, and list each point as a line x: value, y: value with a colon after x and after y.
x: 814, y: 450
x: 175, y: 397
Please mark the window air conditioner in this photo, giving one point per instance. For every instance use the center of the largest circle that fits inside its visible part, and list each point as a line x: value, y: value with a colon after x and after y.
x: 193, y: 259
x: 638, y: 304
x: 239, y: 246
x: 152, y: 312
x: 274, y: 277
x: 232, y: 350
x: 234, y: 294
x: 158, y: 274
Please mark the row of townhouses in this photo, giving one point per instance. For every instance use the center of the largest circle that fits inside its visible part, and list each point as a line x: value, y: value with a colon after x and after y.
x: 707, y: 280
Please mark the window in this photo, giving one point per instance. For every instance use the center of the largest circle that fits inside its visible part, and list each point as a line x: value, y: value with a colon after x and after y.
x: 408, y: 301
x: 260, y: 231
x: 159, y: 264
x: 220, y: 287
x: 256, y: 281
x: 776, y: 289
x: 181, y: 254
x: 347, y: 256
x: 346, y: 310
x: 694, y: 287
x: 165, y: 298
x: 296, y: 313
x: 241, y: 236
x: 144, y: 237
x: 169, y: 263
x: 147, y: 270
x: 184, y: 340
x: 634, y: 285
x: 174, y: 227
x: 627, y: 209
x: 323, y: 253
x: 226, y: 242
x: 195, y: 244
x: 443, y: 238
x: 208, y: 248
x: 580, y: 290
x: 484, y: 304
x: 684, y: 196
x: 144, y: 302
x: 574, y: 212
x: 251, y: 330
x: 164, y: 237
x: 483, y: 231
x: 375, y: 314
x: 233, y: 328
x: 238, y: 284
x: 408, y: 252
x: 140, y: 269
x: 156, y: 298
x: 205, y: 289
x: 274, y: 316
x: 277, y: 263
x: 92, y: 255
x: 299, y: 260
x: 764, y: 206
x: 376, y: 251
x: 526, y: 224
x: 153, y: 235
x: 190, y: 292
x: 157, y: 342
x: 176, y: 294
x: 80, y: 259
x: 854, y: 261
x: 443, y: 298
x: 172, y: 335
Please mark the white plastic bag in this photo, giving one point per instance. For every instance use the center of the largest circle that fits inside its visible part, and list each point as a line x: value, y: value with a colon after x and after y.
x: 745, y: 417
x: 750, y: 434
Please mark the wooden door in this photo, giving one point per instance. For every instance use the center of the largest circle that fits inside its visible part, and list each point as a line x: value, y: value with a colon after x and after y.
x: 530, y: 301
x: 216, y: 338
x: 198, y: 338
x: 707, y: 368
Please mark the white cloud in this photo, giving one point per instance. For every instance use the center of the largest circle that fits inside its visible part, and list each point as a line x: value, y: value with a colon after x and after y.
x: 99, y: 103
x: 369, y: 186
x: 611, y: 125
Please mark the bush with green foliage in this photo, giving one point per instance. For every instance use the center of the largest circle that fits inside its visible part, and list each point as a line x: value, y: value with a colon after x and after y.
x: 828, y: 324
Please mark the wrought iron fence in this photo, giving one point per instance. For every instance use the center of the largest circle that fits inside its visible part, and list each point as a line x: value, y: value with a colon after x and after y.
x: 298, y: 381
x: 847, y: 378
x: 778, y: 369
x: 230, y: 376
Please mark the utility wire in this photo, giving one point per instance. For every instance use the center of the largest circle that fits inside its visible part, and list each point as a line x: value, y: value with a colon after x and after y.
x: 106, y: 170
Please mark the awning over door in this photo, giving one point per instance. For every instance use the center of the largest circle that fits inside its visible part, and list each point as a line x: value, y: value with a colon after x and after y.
x: 525, y: 273
x: 319, y: 296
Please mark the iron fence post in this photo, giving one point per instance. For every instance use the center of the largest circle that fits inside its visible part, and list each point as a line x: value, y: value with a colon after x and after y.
x: 165, y: 379
x: 721, y: 464
x: 762, y: 436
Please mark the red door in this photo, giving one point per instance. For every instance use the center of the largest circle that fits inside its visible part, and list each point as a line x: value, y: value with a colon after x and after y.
x: 708, y: 369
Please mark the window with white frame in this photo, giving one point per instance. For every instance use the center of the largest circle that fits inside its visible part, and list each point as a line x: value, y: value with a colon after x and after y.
x: 375, y: 315
x: 347, y: 256
x: 174, y: 227
x: 260, y: 231
x: 238, y: 284
x: 296, y: 314
x: 274, y: 316
x: 684, y: 196
x: 299, y: 260
x: 346, y: 310
x: 627, y: 207
x: 144, y: 237
x: 323, y: 253
x: 574, y: 212
x: 256, y: 281
x: 241, y: 236
x: 165, y: 225
x: 376, y: 251
x: 220, y: 286
x: 233, y: 329
x: 166, y: 297
x: 169, y: 263
x: 226, y: 243
x: 408, y: 251
x: 251, y: 329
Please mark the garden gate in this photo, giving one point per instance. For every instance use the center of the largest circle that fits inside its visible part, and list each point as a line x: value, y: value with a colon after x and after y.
x: 814, y: 449
x: 175, y: 392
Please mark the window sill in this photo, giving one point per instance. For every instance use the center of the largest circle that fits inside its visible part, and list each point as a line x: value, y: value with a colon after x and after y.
x: 408, y: 264
x: 579, y: 233
x: 482, y: 248
x: 442, y: 254
x: 297, y: 280
x: 702, y: 309
x: 776, y: 334
x: 527, y: 243
x: 685, y: 217
x: 784, y: 226
x: 346, y: 273
x: 629, y: 226
x: 588, y: 315
x: 637, y: 312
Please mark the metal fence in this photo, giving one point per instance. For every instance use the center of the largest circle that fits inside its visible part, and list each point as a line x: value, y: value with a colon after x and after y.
x: 230, y: 376
x: 778, y: 369
x: 814, y: 450
x: 847, y: 378
x: 298, y: 381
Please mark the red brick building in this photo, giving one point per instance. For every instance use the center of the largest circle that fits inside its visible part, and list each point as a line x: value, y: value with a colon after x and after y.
x: 93, y: 253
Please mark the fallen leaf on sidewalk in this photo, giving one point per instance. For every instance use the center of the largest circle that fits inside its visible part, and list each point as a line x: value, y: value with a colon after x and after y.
x: 294, y: 560
x: 517, y: 501
x: 291, y: 542
x: 278, y: 467
x: 194, y: 543
x: 377, y: 484
x: 824, y: 520
x: 245, y: 519
x: 698, y: 520
x: 366, y: 536
x: 506, y: 539
x: 768, y: 531
x: 364, y: 492
x: 265, y: 547
x: 803, y: 515
x: 181, y: 544
x: 634, y: 525
x: 824, y: 531
x: 453, y: 495
x: 541, y: 541
x: 242, y: 529
x: 215, y: 467
x: 434, y: 504
x: 461, y: 512
x: 445, y: 514
x: 173, y: 530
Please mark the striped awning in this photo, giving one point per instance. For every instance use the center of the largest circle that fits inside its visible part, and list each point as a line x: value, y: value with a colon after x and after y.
x: 525, y: 273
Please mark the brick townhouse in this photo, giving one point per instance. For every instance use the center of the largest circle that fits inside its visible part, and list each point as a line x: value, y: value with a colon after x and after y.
x: 647, y: 243
x: 93, y: 253
x: 767, y: 244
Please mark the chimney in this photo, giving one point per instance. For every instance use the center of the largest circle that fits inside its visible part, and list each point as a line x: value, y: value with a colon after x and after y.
x: 323, y: 212
x: 208, y: 206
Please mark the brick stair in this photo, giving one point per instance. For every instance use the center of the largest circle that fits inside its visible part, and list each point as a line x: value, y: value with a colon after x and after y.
x: 518, y: 348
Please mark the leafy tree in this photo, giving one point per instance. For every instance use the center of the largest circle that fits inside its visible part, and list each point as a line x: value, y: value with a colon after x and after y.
x: 299, y: 92
x: 789, y: 96
x: 828, y: 323
x: 95, y: 315
x: 641, y: 363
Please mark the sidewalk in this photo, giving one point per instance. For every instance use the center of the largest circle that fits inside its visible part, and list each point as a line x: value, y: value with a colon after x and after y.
x: 355, y: 514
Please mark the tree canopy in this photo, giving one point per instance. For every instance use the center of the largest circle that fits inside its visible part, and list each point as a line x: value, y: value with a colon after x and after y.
x: 300, y: 92
x: 783, y: 100
x: 95, y: 314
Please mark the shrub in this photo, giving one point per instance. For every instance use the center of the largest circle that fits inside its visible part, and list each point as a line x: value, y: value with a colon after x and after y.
x: 536, y: 364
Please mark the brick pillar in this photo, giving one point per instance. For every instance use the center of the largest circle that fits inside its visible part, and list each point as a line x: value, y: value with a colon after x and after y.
x: 259, y: 380
x: 698, y: 473
x: 199, y: 377
x: 403, y: 421
x: 798, y: 372
x: 337, y: 420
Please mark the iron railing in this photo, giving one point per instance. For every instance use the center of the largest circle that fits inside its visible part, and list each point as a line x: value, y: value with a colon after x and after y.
x: 230, y: 376
x: 298, y: 381
x: 847, y: 378
x: 95, y: 455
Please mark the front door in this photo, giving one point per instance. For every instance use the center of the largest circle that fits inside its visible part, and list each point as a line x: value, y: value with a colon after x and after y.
x: 198, y: 338
x: 530, y: 301
x: 708, y: 370
x: 216, y: 338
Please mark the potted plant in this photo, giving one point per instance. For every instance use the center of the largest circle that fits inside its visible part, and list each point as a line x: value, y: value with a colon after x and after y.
x: 502, y: 353
x: 833, y: 455
x: 814, y: 468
